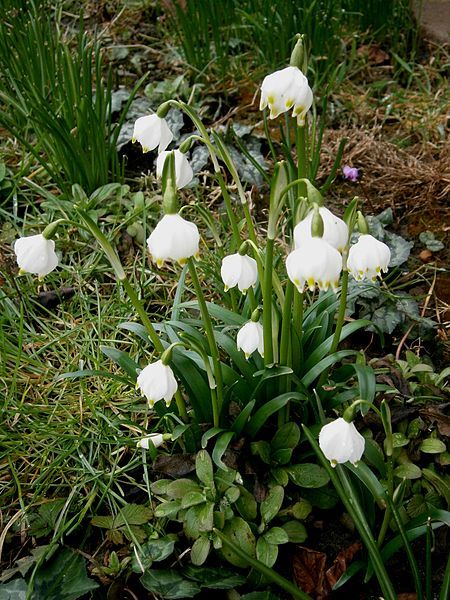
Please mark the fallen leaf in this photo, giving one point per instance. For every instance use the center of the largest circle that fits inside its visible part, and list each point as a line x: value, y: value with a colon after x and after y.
x: 341, y: 563
x: 309, y: 572
x: 435, y: 413
x: 176, y: 465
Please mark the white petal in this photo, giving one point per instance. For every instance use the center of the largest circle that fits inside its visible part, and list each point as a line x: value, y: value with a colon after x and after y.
x: 173, y: 238
x: 36, y: 255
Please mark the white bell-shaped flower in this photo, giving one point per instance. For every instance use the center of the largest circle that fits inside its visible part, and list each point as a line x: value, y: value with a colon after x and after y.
x: 335, y: 231
x: 151, y: 131
x: 183, y: 170
x: 173, y: 238
x: 315, y: 262
x: 250, y: 337
x: 240, y: 270
x: 340, y: 442
x: 157, y: 382
x: 286, y: 89
x: 157, y: 439
x: 368, y: 258
x: 35, y: 254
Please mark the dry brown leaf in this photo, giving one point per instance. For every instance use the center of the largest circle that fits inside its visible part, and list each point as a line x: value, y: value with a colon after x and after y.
x: 309, y: 572
x: 341, y: 563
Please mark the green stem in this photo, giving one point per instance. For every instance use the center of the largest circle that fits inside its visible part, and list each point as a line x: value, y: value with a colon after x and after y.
x: 302, y: 167
x: 216, y: 400
x: 143, y: 315
x: 284, y: 348
x: 341, y: 312
x: 252, y: 299
x: 339, y: 325
x: 350, y: 501
x: 229, y: 209
x: 387, y: 512
x: 272, y: 575
x: 267, y: 304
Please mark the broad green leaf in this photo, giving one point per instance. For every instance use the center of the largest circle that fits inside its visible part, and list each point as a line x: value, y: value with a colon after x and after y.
x: 168, y: 509
x: 63, y: 577
x: 265, y: 552
x: 261, y: 448
x: 323, y: 349
x: 218, y: 312
x: 325, y: 363
x: 246, y: 504
x: 271, y: 505
x: 159, y: 487
x: 199, y: 519
x: 204, y: 469
x: 324, y: 498
x: 153, y: 551
x: 288, y: 436
x: 214, y: 578
x: 408, y: 471
x: 169, y: 584
x: 296, y: 531
x: 301, y: 509
x: 133, y: 514
x: 280, y: 475
x: 243, y: 417
x: 267, y: 410
x: 192, y: 499
x: 365, y: 474
x: 308, y: 475
x: 276, y: 535
x: 432, y: 446
x: 123, y: 360
x: 180, y: 487
x: 200, y: 550
x: 239, y: 533
x: 440, y: 483
x: 220, y: 448
x: 105, y: 522
x: 399, y: 440
x: 13, y: 590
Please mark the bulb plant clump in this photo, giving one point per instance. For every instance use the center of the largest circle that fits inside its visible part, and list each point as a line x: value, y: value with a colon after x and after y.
x: 249, y: 365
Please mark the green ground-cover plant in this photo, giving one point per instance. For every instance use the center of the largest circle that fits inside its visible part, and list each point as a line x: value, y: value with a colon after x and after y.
x: 214, y: 36
x: 234, y: 414
x: 57, y: 96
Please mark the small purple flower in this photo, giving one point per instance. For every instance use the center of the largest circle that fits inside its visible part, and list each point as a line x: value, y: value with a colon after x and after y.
x: 351, y: 173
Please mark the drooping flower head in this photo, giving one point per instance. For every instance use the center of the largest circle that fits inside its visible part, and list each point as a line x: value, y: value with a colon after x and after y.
x: 314, y: 262
x: 286, y: 89
x: 35, y: 254
x: 173, y: 238
x: 250, y: 337
x: 183, y: 170
x: 350, y: 173
x: 335, y: 231
x: 368, y: 258
x: 157, y: 382
x: 157, y: 439
x: 151, y: 131
x: 240, y: 270
x: 340, y: 442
